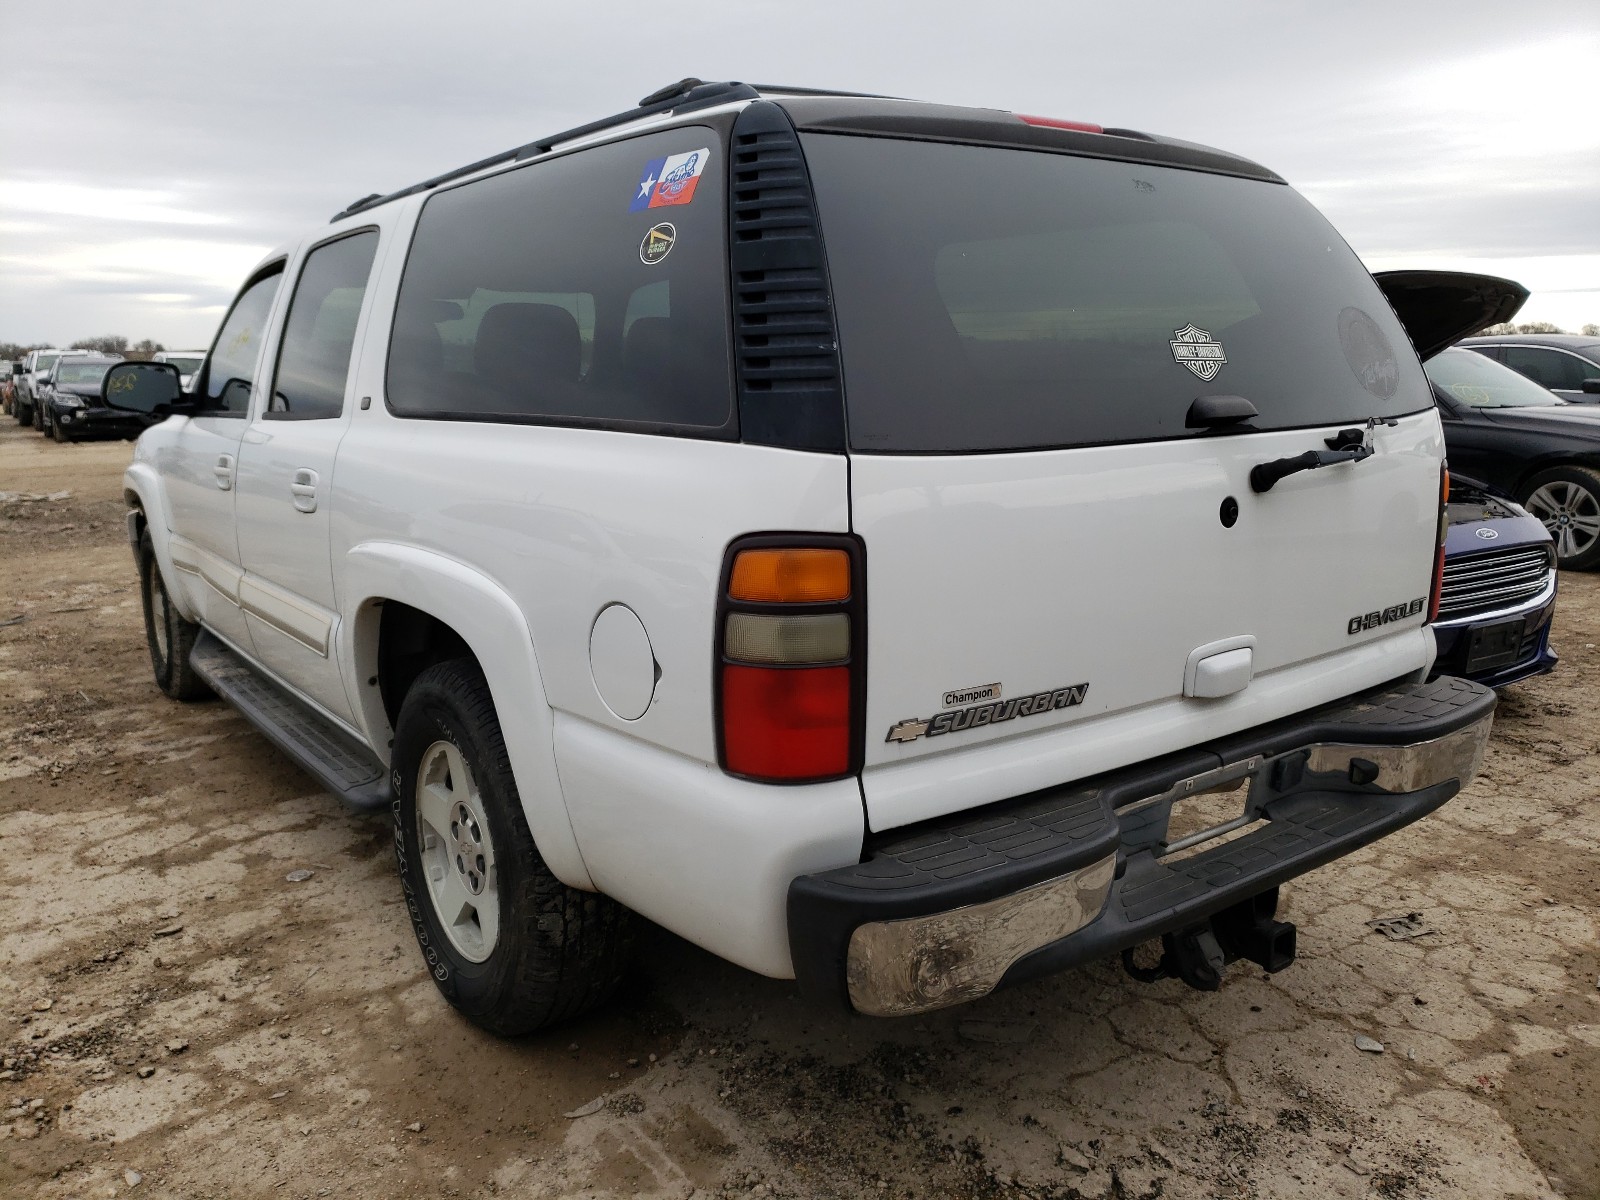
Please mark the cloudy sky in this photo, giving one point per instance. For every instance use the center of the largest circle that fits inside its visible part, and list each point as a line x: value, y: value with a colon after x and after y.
x: 150, y: 154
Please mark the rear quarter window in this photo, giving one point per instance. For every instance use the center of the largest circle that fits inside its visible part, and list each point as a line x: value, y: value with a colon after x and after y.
x: 995, y: 299
x: 573, y: 291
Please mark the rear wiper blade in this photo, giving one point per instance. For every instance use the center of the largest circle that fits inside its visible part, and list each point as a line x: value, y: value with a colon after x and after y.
x: 1264, y: 475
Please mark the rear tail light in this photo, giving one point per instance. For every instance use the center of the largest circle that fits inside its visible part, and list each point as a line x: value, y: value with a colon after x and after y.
x: 791, y: 658
x: 790, y: 575
x: 1438, y: 555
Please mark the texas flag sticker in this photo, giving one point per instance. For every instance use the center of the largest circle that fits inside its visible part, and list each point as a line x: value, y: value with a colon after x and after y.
x: 670, y: 180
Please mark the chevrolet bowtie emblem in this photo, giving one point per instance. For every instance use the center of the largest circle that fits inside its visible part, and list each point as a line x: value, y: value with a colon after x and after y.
x: 907, y: 731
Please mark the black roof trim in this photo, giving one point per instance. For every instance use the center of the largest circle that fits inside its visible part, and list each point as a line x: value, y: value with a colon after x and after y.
x: 683, y: 96
x: 777, y: 90
x: 880, y: 116
x: 994, y: 127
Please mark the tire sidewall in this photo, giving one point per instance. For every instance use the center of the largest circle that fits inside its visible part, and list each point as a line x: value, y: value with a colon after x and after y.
x: 149, y: 580
x: 433, y: 713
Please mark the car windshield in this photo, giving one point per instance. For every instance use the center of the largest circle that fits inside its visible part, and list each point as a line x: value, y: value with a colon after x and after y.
x: 186, y: 366
x: 45, y: 361
x: 75, y: 372
x: 1478, y: 382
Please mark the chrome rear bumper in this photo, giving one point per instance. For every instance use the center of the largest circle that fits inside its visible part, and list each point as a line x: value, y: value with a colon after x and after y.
x: 948, y: 912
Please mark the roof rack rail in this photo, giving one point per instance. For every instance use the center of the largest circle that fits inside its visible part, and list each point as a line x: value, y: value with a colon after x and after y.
x: 682, y: 96
x: 785, y: 90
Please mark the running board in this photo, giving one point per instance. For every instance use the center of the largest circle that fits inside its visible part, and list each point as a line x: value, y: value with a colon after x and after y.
x: 330, y: 755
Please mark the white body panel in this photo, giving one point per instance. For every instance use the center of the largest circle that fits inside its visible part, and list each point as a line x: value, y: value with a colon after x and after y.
x: 569, y: 521
x: 197, y: 459
x: 283, y: 506
x: 706, y: 855
x: 1110, y: 566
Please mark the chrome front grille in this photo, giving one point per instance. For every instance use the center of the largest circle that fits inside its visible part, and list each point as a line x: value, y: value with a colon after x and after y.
x: 1494, y: 580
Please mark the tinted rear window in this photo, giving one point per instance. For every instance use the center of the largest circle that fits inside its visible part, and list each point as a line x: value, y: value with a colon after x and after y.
x: 993, y: 299
x: 588, y: 289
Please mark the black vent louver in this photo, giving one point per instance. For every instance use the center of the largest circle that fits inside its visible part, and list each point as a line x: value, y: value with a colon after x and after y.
x: 786, y: 352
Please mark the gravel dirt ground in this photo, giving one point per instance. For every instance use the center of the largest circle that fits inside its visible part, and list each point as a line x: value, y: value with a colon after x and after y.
x: 177, y: 1018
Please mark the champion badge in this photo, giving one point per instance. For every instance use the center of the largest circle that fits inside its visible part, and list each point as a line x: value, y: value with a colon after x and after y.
x: 1199, y: 351
x: 670, y: 180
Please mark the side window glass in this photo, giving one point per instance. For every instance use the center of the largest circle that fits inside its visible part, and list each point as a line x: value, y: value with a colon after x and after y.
x: 320, y: 333
x: 1573, y: 371
x: 588, y: 289
x: 1544, y: 367
x: 231, y: 366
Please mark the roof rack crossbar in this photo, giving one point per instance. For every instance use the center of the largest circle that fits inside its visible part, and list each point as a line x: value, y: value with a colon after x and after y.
x: 681, y: 96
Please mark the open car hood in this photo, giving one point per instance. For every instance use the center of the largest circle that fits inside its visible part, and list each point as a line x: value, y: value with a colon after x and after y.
x: 1439, y: 308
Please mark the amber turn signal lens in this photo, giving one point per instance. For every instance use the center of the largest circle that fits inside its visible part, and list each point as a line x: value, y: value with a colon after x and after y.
x: 790, y: 576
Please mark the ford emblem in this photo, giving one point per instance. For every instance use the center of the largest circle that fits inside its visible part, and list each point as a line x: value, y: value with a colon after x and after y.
x: 1487, y: 535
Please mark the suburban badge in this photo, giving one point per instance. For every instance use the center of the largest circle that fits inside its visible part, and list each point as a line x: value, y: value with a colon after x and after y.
x: 956, y: 720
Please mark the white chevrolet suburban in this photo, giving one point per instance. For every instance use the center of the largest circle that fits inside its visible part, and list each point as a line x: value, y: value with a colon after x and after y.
x: 905, y: 548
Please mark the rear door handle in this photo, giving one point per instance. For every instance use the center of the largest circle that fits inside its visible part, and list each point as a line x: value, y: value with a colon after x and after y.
x: 304, y: 490
x: 224, y: 472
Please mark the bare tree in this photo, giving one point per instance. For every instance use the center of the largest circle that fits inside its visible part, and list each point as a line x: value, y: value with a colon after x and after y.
x: 1591, y: 330
x: 109, y: 344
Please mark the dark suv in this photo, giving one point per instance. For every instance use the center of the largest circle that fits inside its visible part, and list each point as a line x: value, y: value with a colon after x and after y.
x: 71, y: 407
x: 1566, y: 363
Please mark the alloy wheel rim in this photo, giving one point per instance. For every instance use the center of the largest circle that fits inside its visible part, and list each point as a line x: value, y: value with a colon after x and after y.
x: 1571, y: 513
x: 457, y: 852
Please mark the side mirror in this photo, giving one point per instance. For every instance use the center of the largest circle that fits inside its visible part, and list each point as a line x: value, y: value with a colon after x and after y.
x: 143, y: 387
x: 16, y: 369
x: 1591, y: 387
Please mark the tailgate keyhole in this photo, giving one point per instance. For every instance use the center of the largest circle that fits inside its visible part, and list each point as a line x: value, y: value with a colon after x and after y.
x: 1229, y: 513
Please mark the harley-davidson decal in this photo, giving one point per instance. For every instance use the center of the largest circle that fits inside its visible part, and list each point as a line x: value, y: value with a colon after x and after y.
x: 1199, y: 351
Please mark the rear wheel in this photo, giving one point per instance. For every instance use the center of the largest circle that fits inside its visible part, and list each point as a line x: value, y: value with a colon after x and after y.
x: 169, y: 636
x: 1567, y: 500
x: 510, y: 945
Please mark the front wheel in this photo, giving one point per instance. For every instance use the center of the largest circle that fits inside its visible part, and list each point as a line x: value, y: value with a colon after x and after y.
x: 169, y: 636
x: 57, y: 432
x: 510, y: 945
x: 1567, y: 500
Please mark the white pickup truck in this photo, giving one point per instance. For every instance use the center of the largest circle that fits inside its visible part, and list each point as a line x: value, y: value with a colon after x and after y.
x: 906, y: 548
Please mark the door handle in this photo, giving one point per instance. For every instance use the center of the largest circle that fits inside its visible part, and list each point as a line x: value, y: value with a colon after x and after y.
x: 224, y: 471
x: 304, y: 490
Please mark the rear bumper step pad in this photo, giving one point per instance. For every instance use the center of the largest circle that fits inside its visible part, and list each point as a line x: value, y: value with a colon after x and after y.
x: 326, y: 752
x: 947, y: 911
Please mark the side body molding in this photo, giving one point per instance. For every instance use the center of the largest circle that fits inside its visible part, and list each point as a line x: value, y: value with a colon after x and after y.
x: 142, y: 480
x: 495, y: 629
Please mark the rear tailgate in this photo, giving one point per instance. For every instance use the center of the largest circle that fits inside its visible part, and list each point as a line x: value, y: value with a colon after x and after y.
x: 1107, y: 567
x: 1053, y: 540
